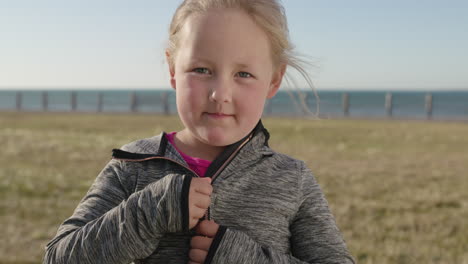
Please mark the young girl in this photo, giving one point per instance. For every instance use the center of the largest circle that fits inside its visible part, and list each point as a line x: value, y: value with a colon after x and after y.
x: 213, y: 192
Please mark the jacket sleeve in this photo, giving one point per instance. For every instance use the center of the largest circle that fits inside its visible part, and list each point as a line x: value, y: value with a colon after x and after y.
x: 110, y: 225
x: 315, y: 238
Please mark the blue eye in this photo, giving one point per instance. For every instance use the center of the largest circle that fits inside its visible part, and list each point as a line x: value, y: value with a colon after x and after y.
x: 201, y: 70
x: 244, y: 74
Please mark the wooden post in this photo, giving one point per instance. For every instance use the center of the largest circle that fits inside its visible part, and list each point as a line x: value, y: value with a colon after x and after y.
x: 389, y: 104
x: 429, y: 106
x: 73, y: 101
x: 304, y: 104
x: 100, y: 101
x: 268, y: 107
x: 346, y: 104
x: 165, y: 102
x: 19, y: 98
x: 133, y: 102
x: 44, y: 101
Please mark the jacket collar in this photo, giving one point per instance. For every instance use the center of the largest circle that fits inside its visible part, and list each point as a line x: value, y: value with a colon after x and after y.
x: 159, y: 146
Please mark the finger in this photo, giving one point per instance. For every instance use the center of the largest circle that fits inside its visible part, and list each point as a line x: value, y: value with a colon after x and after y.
x: 208, y: 179
x: 201, y: 180
x: 197, y: 255
x: 193, y: 222
x: 207, y: 228
x: 202, y: 185
x: 200, y: 242
x: 196, y: 212
x: 201, y: 200
x: 204, y: 189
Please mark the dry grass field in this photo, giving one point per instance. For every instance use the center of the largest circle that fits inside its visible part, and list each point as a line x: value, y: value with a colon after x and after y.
x: 398, y: 189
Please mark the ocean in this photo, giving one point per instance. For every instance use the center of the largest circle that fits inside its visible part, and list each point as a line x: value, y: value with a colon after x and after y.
x: 445, y: 105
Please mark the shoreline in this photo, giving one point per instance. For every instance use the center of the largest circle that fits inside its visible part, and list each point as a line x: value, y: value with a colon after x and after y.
x: 278, y: 116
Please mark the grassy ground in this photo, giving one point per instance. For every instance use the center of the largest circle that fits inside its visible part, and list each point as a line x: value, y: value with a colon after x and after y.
x: 398, y: 189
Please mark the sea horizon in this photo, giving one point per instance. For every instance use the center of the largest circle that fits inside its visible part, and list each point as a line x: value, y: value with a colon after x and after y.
x: 418, y: 104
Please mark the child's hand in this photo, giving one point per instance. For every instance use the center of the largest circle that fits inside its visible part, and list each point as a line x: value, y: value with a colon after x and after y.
x: 199, y: 245
x: 199, y: 199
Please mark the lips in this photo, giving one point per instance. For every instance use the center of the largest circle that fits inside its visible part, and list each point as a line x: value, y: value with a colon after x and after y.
x: 219, y: 115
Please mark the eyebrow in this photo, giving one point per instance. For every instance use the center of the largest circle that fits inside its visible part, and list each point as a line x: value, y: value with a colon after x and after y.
x: 241, y: 65
x: 200, y: 59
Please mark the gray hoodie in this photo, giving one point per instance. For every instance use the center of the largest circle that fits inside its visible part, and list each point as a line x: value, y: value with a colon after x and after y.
x: 269, y: 207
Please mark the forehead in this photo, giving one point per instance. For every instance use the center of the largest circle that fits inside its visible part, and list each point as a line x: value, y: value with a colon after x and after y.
x: 225, y: 34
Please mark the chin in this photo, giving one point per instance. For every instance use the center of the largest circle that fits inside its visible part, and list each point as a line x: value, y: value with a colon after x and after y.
x: 220, y: 138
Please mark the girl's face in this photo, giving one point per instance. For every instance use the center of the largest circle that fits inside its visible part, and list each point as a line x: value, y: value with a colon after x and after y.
x: 223, y: 73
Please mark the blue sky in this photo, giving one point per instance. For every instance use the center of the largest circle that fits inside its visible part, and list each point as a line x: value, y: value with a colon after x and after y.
x: 399, y: 44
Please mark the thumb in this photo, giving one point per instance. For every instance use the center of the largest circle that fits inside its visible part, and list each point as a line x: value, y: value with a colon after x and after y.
x: 207, y: 228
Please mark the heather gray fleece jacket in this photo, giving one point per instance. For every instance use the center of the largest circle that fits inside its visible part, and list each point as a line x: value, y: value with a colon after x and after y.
x: 269, y: 206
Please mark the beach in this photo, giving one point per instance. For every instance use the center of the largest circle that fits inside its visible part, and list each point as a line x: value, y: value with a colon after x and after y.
x: 397, y: 188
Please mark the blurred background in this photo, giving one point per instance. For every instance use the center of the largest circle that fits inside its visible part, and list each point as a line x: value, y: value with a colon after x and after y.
x: 369, y: 59
x: 390, y: 148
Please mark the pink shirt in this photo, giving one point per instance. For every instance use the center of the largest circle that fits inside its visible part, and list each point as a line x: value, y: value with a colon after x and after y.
x: 198, y: 165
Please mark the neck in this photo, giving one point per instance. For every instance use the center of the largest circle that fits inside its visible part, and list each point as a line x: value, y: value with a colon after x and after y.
x: 194, y: 147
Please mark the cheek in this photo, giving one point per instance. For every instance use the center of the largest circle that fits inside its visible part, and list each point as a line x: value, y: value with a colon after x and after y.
x: 190, y: 90
x: 252, y: 99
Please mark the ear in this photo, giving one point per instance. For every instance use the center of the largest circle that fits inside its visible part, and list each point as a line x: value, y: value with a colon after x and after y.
x: 171, y: 70
x: 276, y: 81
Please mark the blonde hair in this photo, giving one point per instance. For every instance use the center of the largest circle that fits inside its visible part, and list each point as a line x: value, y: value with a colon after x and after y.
x: 268, y: 14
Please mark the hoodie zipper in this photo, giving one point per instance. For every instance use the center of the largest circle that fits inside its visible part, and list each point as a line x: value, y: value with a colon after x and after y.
x: 215, y: 175
x: 213, y: 178
x: 229, y: 159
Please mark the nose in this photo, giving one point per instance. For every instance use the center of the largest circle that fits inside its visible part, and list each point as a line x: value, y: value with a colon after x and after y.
x: 221, y: 91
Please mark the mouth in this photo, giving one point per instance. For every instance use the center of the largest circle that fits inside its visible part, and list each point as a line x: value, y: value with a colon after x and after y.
x: 219, y: 115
